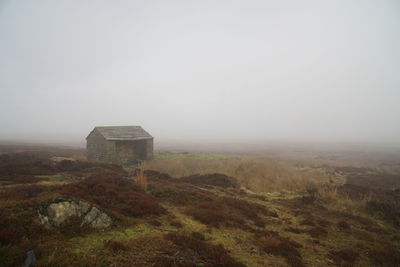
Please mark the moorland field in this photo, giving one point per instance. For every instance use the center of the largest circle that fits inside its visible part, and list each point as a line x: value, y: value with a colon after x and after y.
x: 281, y: 206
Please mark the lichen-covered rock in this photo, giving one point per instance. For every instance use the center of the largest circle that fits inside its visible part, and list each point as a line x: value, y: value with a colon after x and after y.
x: 96, y: 219
x: 101, y: 221
x: 60, y: 212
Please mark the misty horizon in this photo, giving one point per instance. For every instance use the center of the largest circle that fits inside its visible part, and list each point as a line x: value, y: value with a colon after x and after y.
x: 244, y: 71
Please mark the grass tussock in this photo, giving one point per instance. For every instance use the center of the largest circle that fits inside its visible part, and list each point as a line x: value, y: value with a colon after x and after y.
x: 141, y: 181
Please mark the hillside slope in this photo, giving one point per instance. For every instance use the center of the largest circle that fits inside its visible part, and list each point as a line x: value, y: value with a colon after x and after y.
x: 197, y: 220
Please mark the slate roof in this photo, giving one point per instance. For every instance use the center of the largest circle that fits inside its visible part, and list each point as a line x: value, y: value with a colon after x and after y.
x: 123, y: 133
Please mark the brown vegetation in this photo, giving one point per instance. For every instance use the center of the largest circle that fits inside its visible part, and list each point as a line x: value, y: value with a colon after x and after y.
x: 141, y: 181
x: 386, y: 256
x: 344, y: 257
x: 277, y: 245
x: 115, y: 193
x: 229, y: 212
x: 200, y: 207
x: 116, y: 246
x: 260, y: 174
x: 216, y: 179
x: 205, y: 253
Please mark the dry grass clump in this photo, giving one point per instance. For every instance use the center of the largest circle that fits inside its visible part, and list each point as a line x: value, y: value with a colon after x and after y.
x: 260, y: 174
x: 280, y: 246
x: 141, y: 181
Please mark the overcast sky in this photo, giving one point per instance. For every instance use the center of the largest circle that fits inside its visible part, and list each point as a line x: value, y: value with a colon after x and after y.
x: 195, y: 70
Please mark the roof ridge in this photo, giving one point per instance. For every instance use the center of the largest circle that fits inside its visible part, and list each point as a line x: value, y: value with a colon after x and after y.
x: 125, y: 132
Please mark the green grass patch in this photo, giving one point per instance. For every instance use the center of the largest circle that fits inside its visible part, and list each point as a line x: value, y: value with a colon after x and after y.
x: 84, y: 244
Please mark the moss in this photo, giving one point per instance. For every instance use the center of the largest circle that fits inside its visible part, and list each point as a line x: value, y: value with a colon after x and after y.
x: 84, y: 244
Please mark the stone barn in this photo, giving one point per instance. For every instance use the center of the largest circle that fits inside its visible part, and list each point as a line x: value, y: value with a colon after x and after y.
x: 119, y: 144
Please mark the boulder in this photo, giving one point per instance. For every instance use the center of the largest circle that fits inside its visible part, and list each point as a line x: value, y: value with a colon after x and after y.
x: 57, y: 213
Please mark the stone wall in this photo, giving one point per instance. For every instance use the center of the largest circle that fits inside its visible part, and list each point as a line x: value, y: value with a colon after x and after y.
x: 149, y: 148
x: 98, y: 148
x: 129, y: 152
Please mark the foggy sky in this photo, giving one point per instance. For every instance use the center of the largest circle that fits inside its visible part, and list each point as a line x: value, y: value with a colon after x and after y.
x: 196, y: 70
